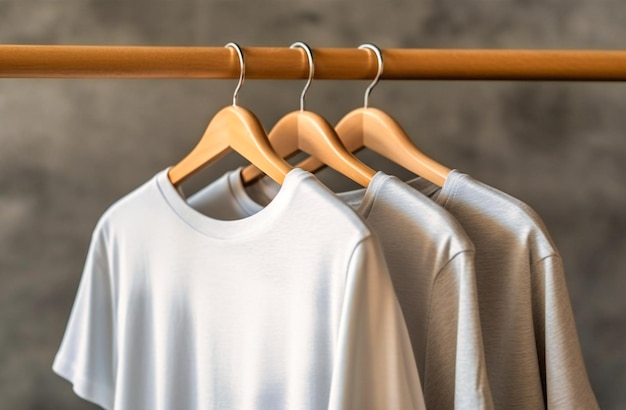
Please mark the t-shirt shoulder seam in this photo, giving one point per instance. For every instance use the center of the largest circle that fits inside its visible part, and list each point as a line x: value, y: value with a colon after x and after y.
x: 437, y: 275
x: 455, y: 256
x: 543, y: 258
x: 367, y: 236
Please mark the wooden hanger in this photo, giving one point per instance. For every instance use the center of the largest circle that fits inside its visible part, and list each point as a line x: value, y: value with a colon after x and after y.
x: 309, y: 132
x: 233, y: 128
x: 374, y: 129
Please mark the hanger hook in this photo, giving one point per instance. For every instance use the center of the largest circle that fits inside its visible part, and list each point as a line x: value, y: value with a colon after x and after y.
x: 242, y: 70
x: 379, y: 57
x: 309, y: 55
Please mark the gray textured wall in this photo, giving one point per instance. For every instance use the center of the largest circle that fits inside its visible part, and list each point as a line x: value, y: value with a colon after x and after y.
x: 68, y: 148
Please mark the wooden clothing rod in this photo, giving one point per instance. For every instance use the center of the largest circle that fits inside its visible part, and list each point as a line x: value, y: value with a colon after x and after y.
x: 51, y: 61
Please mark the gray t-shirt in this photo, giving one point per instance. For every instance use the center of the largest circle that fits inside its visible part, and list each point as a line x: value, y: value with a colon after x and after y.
x: 531, y: 345
x: 430, y: 260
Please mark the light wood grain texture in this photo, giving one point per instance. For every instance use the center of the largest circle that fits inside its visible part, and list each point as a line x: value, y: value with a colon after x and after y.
x: 52, y: 61
x: 309, y: 132
x: 232, y: 128
x: 375, y: 129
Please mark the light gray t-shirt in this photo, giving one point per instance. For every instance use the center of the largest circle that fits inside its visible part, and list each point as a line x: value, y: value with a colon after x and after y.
x: 531, y: 344
x: 290, y: 308
x: 430, y: 260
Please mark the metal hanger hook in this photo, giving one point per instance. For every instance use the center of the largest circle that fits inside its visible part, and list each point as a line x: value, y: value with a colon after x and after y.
x: 379, y: 57
x: 309, y: 55
x: 242, y: 70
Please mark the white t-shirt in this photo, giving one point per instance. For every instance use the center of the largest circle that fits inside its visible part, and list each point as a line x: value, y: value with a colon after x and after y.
x: 531, y: 345
x: 430, y: 260
x: 290, y: 308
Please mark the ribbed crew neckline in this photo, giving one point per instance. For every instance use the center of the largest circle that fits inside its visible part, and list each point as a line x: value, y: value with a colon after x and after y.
x: 441, y: 195
x: 259, y: 221
x: 361, y: 202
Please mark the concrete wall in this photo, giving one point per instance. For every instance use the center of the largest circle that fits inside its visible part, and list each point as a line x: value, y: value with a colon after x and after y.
x: 69, y: 148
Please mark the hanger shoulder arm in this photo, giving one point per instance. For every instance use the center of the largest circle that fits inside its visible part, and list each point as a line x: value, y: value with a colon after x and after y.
x: 212, y: 146
x: 378, y: 131
x: 247, y: 137
x: 232, y: 128
x: 320, y: 140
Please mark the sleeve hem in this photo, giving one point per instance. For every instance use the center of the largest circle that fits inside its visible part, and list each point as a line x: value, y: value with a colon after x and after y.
x: 84, y: 387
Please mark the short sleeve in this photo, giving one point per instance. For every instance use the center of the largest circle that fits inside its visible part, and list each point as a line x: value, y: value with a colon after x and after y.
x: 456, y: 374
x: 565, y: 376
x: 374, y: 366
x: 86, y: 355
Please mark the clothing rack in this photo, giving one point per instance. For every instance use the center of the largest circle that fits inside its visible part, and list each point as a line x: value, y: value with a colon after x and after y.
x: 73, y: 61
